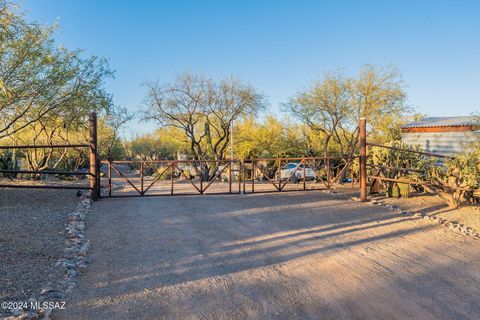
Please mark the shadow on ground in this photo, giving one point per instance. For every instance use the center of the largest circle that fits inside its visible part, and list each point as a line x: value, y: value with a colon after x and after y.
x: 292, y: 255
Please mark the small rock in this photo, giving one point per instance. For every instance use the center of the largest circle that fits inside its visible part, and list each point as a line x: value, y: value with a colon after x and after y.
x: 46, y: 289
x: 71, y: 272
x: 82, y: 266
x: 46, y: 314
x: 23, y: 316
x: 56, y: 294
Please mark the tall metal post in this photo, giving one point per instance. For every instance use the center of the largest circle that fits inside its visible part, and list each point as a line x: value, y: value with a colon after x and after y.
x: 363, y: 159
x: 304, y: 173
x: 242, y: 170
x: 253, y: 176
x: 352, y: 174
x: 141, y: 178
x: 231, y: 141
x: 201, y: 177
x: 172, y: 172
x: 230, y: 176
x: 94, y: 170
x: 327, y: 165
x: 109, y: 178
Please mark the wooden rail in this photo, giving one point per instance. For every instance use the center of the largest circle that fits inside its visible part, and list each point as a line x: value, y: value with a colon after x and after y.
x: 394, y: 168
x: 436, y: 155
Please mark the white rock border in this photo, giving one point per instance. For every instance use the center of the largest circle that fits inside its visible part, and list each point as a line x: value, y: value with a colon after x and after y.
x: 74, y: 261
x: 452, y: 226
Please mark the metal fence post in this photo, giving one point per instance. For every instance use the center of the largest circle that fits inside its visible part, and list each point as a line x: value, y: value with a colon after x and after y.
x: 141, y: 178
x: 363, y: 159
x: 109, y: 178
x: 253, y: 176
x: 327, y: 165
x: 172, y: 172
x: 304, y: 174
x: 230, y: 176
x: 242, y: 169
x: 201, y: 177
x: 94, y: 168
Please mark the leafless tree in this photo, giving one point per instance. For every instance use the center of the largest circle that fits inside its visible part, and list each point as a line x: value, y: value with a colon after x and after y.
x: 203, y: 109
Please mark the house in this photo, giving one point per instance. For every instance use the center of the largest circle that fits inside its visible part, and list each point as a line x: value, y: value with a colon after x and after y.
x: 443, y: 135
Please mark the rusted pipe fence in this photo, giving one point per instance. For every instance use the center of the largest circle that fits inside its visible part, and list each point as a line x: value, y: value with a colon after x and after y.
x: 188, y: 177
x: 171, y: 177
x: 92, y: 174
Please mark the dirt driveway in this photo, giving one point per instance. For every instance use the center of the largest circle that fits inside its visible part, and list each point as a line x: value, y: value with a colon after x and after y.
x: 272, y: 256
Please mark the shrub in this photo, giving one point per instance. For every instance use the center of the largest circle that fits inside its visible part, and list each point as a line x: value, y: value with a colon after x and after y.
x: 8, y: 162
x: 457, y: 177
x: 396, y: 162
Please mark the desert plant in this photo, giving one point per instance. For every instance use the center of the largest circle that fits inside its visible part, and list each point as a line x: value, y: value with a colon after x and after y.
x: 456, y: 178
x: 8, y: 162
x: 396, y: 164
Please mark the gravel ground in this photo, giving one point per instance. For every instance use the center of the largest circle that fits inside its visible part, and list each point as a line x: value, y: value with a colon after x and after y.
x: 428, y: 204
x: 467, y: 214
x: 293, y: 255
x: 32, y: 239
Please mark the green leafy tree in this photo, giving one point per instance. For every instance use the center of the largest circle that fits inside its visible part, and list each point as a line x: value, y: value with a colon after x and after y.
x: 40, y: 81
x: 333, y: 106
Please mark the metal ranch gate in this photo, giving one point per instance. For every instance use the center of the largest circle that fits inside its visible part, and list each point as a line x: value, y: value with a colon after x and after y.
x: 200, y: 177
x: 127, y: 178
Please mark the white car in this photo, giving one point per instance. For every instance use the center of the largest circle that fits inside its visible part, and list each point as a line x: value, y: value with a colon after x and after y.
x: 289, y: 170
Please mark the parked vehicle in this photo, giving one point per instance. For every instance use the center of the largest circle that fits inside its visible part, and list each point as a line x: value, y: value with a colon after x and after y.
x: 288, y: 170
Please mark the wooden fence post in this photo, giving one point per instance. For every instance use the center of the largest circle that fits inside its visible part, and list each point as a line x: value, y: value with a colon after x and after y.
x: 94, y: 170
x: 363, y: 159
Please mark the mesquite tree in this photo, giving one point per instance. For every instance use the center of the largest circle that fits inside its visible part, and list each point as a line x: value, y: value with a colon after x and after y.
x: 40, y: 80
x: 334, y: 105
x: 204, y: 110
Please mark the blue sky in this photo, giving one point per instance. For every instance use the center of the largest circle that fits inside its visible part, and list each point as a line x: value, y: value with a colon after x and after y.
x: 278, y: 46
